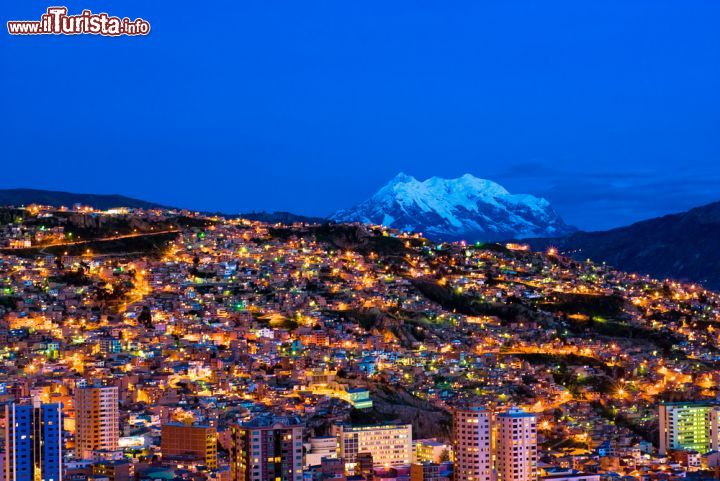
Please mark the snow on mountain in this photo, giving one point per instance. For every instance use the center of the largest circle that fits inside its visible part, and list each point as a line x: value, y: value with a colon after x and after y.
x: 452, y: 209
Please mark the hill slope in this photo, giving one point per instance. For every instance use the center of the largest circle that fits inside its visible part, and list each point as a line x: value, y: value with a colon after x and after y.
x: 683, y: 246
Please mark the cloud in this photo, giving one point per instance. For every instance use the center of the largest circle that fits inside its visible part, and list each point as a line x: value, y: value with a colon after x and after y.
x: 601, y: 199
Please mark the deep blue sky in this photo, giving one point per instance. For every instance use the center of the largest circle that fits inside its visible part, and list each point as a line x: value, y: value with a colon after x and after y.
x: 610, y: 109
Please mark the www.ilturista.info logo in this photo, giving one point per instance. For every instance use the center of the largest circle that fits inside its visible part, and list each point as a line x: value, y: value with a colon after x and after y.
x: 57, y: 22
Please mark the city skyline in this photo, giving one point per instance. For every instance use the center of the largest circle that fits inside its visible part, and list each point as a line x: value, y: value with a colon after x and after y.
x: 187, y: 346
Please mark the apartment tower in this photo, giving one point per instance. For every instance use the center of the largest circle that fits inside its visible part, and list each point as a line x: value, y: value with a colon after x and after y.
x: 472, y: 444
x: 267, y: 449
x: 516, y: 446
x: 96, y: 421
x: 33, y: 442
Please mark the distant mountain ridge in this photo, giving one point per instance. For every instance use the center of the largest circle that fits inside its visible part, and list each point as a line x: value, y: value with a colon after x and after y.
x: 684, y: 247
x: 466, y: 208
x: 19, y: 197
x: 280, y: 217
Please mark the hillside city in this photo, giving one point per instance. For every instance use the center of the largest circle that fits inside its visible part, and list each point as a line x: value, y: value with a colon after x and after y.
x: 173, y: 345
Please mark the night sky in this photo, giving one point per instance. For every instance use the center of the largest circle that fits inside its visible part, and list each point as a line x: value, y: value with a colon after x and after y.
x: 609, y: 109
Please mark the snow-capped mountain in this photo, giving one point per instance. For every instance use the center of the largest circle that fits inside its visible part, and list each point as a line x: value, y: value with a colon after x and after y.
x: 465, y: 208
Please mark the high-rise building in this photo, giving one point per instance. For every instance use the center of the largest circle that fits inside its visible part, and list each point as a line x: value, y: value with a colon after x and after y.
x: 96, y: 421
x: 510, y: 438
x: 267, y: 449
x: 472, y: 444
x: 389, y: 444
x: 715, y: 428
x: 196, y: 442
x: 690, y: 426
x: 33, y: 442
x: 516, y: 446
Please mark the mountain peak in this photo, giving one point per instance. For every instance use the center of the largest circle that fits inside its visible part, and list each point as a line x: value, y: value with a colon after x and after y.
x: 401, y: 178
x: 466, y: 207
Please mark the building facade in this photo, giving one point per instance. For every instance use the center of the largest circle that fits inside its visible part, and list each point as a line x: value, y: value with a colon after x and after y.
x: 494, y: 447
x: 688, y: 426
x: 122, y: 470
x: 431, y: 450
x: 424, y: 472
x: 96, y: 421
x: 472, y: 444
x: 196, y: 442
x: 33, y: 442
x: 321, y: 447
x: 516, y: 446
x: 267, y: 449
x: 389, y: 444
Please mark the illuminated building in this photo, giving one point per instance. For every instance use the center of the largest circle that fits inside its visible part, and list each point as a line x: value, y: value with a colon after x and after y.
x: 514, y: 449
x: 109, y: 345
x: 472, y: 444
x: 323, y: 382
x: 33, y: 442
x: 96, y: 421
x: 359, y: 398
x: 430, y: 450
x: 516, y: 446
x: 267, y: 449
x: 197, y: 442
x: 121, y: 470
x: 389, y: 444
x: 322, y: 447
x: 52, y: 350
x: 424, y: 472
x: 690, y: 426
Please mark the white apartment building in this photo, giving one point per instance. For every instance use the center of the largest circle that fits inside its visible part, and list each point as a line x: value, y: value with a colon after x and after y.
x: 389, y: 444
x: 516, y: 446
x: 472, y: 444
x: 494, y: 447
